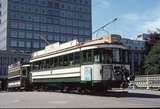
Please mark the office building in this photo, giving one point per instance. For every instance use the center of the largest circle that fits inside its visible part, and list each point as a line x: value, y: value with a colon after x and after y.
x: 29, y: 25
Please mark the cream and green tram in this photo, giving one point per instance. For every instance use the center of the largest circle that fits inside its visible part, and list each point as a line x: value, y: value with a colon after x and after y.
x: 90, y: 65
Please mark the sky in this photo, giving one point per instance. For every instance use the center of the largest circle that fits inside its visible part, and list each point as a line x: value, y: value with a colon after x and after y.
x: 134, y: 16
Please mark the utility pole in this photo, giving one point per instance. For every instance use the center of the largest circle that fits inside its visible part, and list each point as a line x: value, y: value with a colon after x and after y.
x: 102, y: 28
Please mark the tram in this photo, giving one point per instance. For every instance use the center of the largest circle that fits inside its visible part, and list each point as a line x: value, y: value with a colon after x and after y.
x: 98, y: 64
x: 19, y: 77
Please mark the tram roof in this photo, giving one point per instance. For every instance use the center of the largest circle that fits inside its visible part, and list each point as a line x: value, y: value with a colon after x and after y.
x: 17, y: 66
x: 55, y: 47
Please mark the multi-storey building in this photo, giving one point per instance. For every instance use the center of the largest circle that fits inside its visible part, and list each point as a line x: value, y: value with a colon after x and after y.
x: 28, y: 25
x: 136, y: 55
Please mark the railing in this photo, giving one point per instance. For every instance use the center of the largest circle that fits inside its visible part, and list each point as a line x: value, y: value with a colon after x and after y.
x: 150, y: 81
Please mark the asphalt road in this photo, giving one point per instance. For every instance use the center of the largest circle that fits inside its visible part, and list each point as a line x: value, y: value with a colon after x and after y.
x: 135, y: 98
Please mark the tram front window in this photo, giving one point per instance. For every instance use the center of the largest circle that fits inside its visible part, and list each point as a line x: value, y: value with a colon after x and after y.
x: 116, y: 55
x: 106, y: 56
x: 103, y: 55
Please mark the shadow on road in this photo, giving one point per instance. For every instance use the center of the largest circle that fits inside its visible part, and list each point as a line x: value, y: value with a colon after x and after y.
x: 125, y: 94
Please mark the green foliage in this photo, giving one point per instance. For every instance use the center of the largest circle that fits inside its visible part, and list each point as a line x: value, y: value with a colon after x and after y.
x: 152, y: 61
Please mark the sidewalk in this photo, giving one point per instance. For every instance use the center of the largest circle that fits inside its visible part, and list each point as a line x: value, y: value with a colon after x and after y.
x: 143, y: 91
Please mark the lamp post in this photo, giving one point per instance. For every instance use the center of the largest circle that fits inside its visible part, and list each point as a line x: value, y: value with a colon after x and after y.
x: 147, y: 82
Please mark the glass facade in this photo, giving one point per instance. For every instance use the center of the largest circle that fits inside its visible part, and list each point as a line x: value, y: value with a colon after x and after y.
x: 29, y: 22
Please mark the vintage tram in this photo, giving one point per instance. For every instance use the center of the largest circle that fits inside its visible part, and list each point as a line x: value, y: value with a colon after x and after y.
x: 98, y: 64
x: 19, y: 77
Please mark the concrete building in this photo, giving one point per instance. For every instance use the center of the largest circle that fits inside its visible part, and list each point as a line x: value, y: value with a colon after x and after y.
x: 27, y: 24
x: 136, y: 54
x: 7, y: 58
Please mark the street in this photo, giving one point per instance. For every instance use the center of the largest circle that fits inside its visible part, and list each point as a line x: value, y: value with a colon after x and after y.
x: 134, y: 98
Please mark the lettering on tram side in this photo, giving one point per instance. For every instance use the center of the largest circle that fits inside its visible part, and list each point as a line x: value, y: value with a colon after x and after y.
x: 88, y: 73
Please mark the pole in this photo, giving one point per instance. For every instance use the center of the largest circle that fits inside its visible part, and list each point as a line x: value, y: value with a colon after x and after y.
x: 147, y: 82
x: 104, y: 26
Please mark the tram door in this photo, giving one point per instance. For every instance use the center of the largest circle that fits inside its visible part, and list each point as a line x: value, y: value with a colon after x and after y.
x: 107, y: 72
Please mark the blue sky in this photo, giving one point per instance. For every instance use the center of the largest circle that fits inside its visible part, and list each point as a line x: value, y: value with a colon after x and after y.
x: 134, y: 16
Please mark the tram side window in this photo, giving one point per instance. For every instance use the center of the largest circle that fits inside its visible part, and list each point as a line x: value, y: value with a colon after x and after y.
x: 35, y: 66
x: 77, y: 58
x: 71, y: 59
x: 87, y: 56
x: 44, y: 64
x: 56, y: 61
x: 84, y: 58
x: 52, y: 63
x: 49, y: 63
x: 96, y: 55
x: 24, y: 72
x: 61, y: 59
x: 40, y: 65
x: 66, y: 61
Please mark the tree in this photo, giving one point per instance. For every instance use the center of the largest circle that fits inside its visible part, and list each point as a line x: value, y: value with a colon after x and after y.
x: 152, y: 61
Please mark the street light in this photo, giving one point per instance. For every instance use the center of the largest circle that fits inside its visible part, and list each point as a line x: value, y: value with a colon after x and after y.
x: 147, y: 81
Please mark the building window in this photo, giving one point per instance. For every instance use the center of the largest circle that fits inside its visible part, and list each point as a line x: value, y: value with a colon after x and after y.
x: 50, y: 37
x: 50, y: 4
x: 15, y: 59
x: 37, y: 36
x: 29, y: 35
x: 22, y: 25
x: 29, y: 26
x: 43, y: 44
x: 56, y: 38
x: 21, y: 43
x: 62, y: 6
x: 36, y: 45
x: 13, y: 43
x: 14, y: 34
x: 14, y: 25
x: 21, y: 34
x: 56, y: 5
x: 28, y: 44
